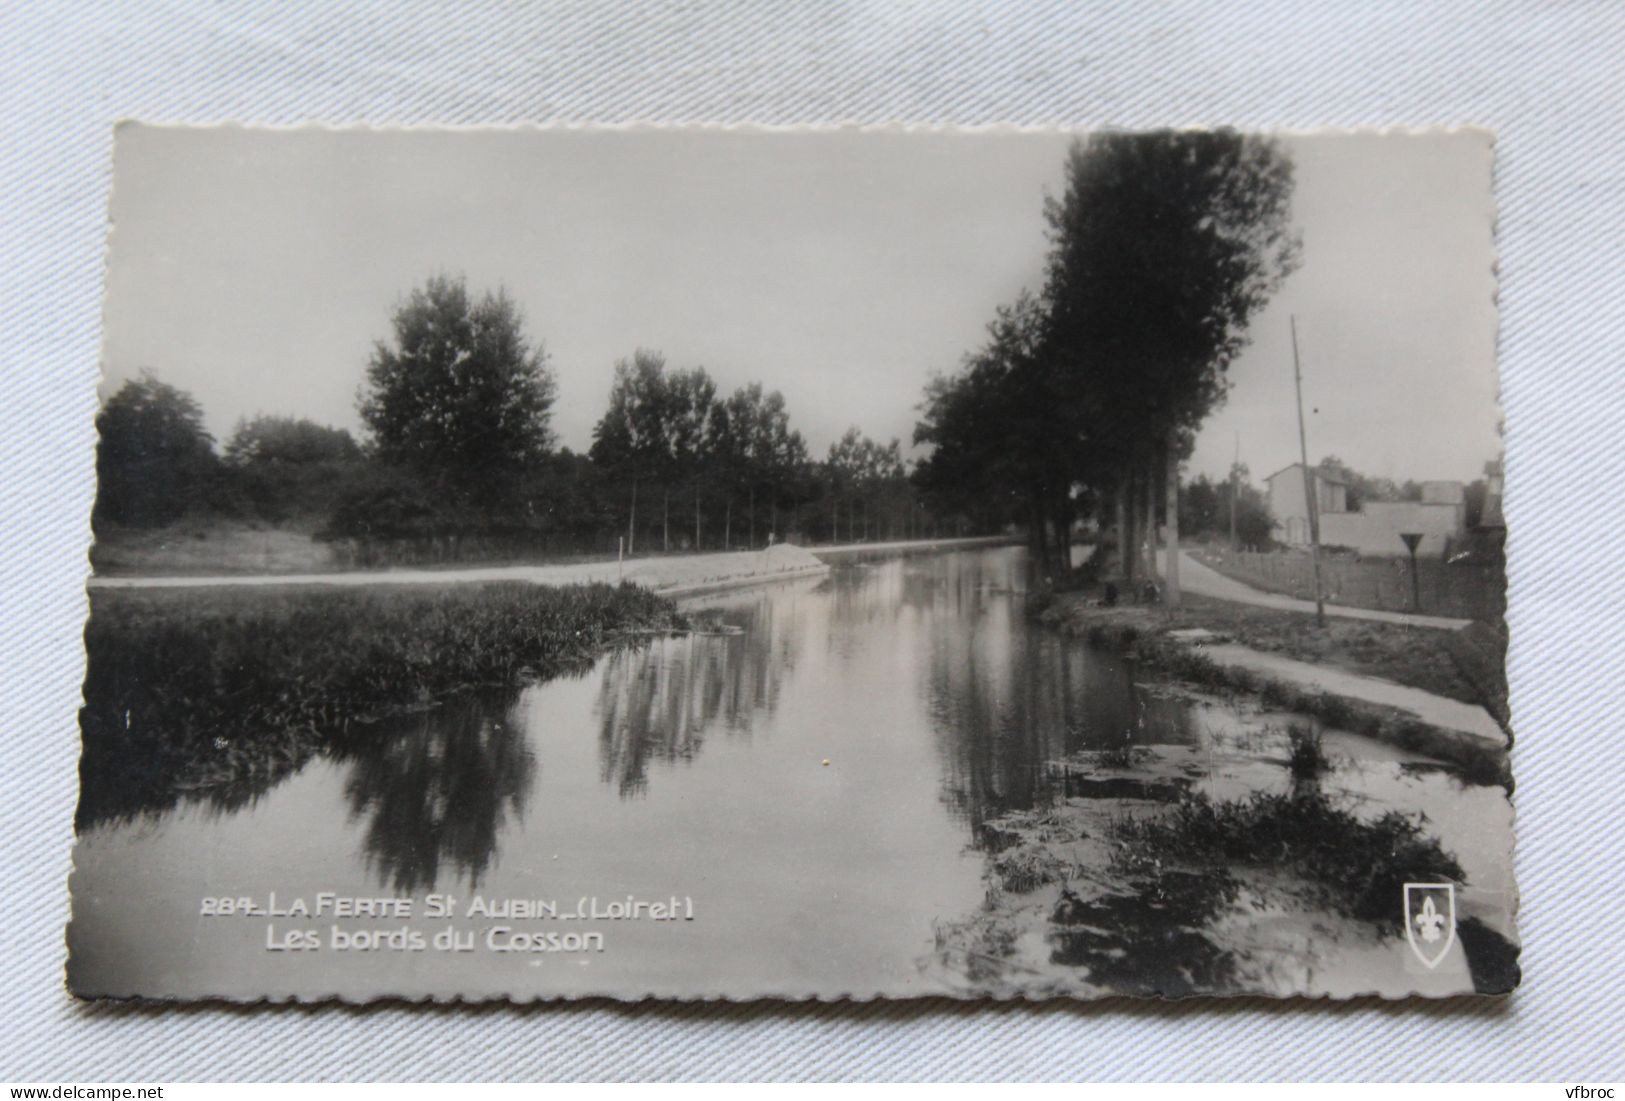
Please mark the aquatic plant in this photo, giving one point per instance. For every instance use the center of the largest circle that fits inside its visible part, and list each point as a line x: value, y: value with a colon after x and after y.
x: 1484, y: 771
x: 1027, y: 869
x: 221, y: 692
x: 1492, y: 959
x: 983, y: 947
x: 1151, y: 938
x: 1361, y: 866
x: 1069, y: 909
x: 1307, y: 758
x: 1039, y: 600
x: 1121, y: 757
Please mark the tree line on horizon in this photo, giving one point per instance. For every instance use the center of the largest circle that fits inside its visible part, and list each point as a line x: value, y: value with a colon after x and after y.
x: 1081, y: 404
x: 460, y: 459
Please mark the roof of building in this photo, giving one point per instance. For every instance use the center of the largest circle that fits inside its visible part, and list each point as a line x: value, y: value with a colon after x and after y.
x: 1321, y: 474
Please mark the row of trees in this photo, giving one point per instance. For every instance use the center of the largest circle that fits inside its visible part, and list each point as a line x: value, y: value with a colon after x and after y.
x: 1231, y: 507
x: 1087, y: 395
x: 157, y: 463
x: 460, y: 455
x: 1084, y: 399
x: 667, y: 432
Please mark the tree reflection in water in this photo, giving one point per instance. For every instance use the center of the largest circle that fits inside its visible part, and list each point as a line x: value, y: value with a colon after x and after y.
x: 1005, y: 695
x: 660, y: 703
x: 440, y: 789
x: 1008, y: 696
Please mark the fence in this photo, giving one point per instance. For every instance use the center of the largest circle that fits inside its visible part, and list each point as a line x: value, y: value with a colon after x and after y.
x: 1470, y: 589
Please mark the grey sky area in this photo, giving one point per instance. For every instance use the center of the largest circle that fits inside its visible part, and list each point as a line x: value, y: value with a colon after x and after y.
x: 255, y: 269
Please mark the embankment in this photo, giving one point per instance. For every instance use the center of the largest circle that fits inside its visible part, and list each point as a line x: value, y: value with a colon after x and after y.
x: 667, y: 574
x: 1398, y: 685
x: 867, y: 552
x: 688, y: 574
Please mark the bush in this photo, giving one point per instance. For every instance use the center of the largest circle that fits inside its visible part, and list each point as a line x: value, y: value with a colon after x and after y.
x: 1307, y: 758
x: 1362, y: 866
x: 391, y: 509
x: 154, y: 460
x: 1040, y: 600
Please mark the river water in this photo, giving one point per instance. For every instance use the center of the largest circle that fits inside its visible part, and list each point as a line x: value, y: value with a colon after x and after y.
x: 807, y: 781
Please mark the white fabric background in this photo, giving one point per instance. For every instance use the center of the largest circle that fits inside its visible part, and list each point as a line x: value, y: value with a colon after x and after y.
x: 1547, y: 77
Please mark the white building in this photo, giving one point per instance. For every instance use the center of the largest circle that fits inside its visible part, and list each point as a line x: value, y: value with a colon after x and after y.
x: 1375, y: 527
x: 1290, y: 507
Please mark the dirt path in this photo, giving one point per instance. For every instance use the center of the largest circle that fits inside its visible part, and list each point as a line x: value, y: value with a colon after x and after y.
x: 1429, y: 707
x: 1432, y: 709
x: 1198, y: 578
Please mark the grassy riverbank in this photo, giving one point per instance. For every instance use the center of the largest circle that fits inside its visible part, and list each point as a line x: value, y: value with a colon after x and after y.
x: 207, y: 547
x: 1266, y: 855
x: 218, y: 692
x: 1473, y: 587
x: 1358, y: 867
x: 1415, y: 656
x: 1411, y: 656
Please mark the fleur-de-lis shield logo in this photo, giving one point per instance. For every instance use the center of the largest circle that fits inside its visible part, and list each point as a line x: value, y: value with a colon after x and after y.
x: 1430, y: 920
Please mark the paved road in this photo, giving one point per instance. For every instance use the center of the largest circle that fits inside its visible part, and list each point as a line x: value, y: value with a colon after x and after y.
x: 1468, y: 718
x: 1194, y: 577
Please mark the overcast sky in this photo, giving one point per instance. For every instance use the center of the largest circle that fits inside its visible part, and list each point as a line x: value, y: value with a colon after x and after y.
x: 255, y: 269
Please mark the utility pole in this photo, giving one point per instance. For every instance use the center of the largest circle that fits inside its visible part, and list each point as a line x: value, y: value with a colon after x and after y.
x: 1233, y: 488
x: 1308, y: 481
x: 1171, y: 573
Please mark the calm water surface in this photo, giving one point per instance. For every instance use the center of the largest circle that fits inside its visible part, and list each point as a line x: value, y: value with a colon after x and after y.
x: 813, y: 783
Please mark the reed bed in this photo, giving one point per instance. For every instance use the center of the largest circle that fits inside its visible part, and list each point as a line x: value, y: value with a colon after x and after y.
x: 223, y: 691
x: 1361, y: 865
x: 1306, y: 756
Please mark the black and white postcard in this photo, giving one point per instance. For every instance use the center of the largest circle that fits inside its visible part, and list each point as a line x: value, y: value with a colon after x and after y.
x: 796, y: 563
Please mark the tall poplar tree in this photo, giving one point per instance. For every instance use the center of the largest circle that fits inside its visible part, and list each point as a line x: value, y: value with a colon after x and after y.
x: 1164, y: 247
